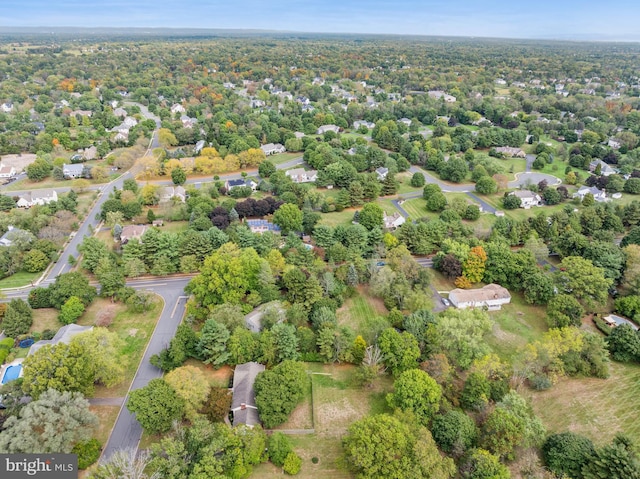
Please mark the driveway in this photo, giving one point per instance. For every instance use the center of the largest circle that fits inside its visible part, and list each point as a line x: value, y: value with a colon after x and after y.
x: 533, y: 178
x: 486, y: 207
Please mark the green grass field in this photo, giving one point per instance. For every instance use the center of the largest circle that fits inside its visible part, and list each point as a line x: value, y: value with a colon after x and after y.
x: 416, y: 207
x: 21, y: 278
x: 363, y: 314
x: 342, y: 218
x: 283, y: 157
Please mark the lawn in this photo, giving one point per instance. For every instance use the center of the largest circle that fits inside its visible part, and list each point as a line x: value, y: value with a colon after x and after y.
x: 50, y: 182
x: 283, y: 157
x: 174, y: 226
x: 338, y: 218
x: 19, y: 279
x: 45, y: 318
x: 362, y: 313
x: 597, y: 408
x: 417, y: 209
x: 135, y: 331
x: 107, y: 416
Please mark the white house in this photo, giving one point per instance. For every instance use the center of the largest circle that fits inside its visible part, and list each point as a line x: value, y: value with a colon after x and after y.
x: 598, y: 195
x: 177, y: 108
x: 6, y: 107
x: 394, y: 221
x: 406, y: 121
x: 382, y: 173
x: 38, y: 197
x: 510, y: 151
x: 613, y: 143
x: 7, y: 171
x: 605, y: 168
x: 358, y: 123
x: 72, y: 171
x: 130, y: 121
x: 491, y: 296
x: 273, y: 149
x: 527, y: 198
x: 231, y: 184
x: 299, y: 175
x: 438, y: 94
x: 166, y: 193
x: 187, y: 121
x: 325, y: 128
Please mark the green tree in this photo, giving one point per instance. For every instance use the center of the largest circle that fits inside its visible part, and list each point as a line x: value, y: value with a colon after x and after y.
x: 93, y: 250
x: 192, y: 386
x: 279, y: 390
x: 53, y: 423
x: 417, y: 180
x: 156, y: 406
x: 35, y: 261
x: 481, y: 464
x: 71, y: 284
x: 476, y: 392
x: 564, y: 310
x: 178, y: 176
x: 617, y: 460
x: 538, y: 288
x: 416, y: 391
x: 583, y: 280
x: 624, y: 344
x: 399, y: 350
x: 18, y: 318
x: 486, y: 185
x: 454, y: 432
x: 279, y: 448
x: 285, y: 341
x: 436, y: 202
x: 567, y: 453
x: 213, y: 343
x: 289, y: 218
x: 371, y: 216
x: 71, y: 310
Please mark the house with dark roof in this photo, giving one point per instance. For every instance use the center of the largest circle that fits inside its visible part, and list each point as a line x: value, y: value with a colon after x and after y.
x: 64, y: 335
x: 382, y: 173
x: 262, y: 226
x: 243, y: 403
x: 132, y: 232
x: 231, y: 184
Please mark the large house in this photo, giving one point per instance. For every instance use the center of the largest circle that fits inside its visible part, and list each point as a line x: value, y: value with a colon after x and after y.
x: 325, y: 128
x: 605, y: 168
x: 243, y: 404
x: 6, y: 107
x: 382, y: 173
x: 73, y: 171
x: 598, y: 195
x: 262, y: 226
x: 358, y: 123
x: 64, y: 335
x: 38, y: 197
x: 438, y: 94
x: 177, y: 108
x: 299, y: 175
x: 491, y: 296
x: 272, y: 149
x: 132, y: 232
x: 231, y: 184
x: 166, y: 193
x: 510, y: 151
x: 527, y: 198
x: 394, y: 221
x: 7, y: 171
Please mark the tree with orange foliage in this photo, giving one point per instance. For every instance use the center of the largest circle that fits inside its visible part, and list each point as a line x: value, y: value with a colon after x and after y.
x: 474, y: 266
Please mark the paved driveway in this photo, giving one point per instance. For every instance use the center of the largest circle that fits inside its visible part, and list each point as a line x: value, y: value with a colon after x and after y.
x: 533, y: 178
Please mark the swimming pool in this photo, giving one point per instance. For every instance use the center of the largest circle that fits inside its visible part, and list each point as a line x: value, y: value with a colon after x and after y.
x: 11, y: 373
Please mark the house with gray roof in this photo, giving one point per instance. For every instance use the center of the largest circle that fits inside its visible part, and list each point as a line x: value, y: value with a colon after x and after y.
x: 37, y: 197
x: 64, y: 335
x: 243, y: 404
x: 273, y: 149
x: 14, y: 234
x: 325, y: 128
x: 73, y: 171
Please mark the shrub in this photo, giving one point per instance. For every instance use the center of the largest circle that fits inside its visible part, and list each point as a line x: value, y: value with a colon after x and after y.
x: 71, y: 310
x: 292, y: 464
x: 104, y: 318
x: 88, y: 452
x: 279, y: 448
x: 454, y: 432
x: 217, y: 405
x: 567, y: 452
x: 40, y: 298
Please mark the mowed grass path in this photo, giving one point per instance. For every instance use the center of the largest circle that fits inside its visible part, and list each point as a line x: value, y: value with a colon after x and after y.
x: 597, y: 408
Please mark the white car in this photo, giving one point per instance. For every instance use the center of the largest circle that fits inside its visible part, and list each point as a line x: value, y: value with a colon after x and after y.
x: 446, y: 302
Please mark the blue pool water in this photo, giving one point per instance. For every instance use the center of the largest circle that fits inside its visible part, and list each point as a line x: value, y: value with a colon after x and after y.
x: 11, y: 373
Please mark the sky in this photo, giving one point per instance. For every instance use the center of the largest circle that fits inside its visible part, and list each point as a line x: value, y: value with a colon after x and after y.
x: 561, y: 19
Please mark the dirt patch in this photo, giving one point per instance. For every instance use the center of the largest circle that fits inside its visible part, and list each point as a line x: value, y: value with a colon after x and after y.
x: 133, y: 332
x: 300, y: 418
x: 335, y: 416
x: 19, y: 162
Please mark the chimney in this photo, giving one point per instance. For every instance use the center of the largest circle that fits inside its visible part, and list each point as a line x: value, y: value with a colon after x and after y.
x: 243, y: 406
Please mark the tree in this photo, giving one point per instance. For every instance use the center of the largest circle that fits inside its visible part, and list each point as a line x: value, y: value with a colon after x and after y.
x: 71, y: 284
x: 429, y: 190
x: 53, y: 423
x: 124, y: 463
x: 416, y: 391
x: 279, y: 448
x: 384, y: 446
x: 285, y: 341
x: 399, y: 350
x: 567, y: 453
x: 538, y: 288
x: 266, y: 169
x: 71, y: 310
x: 213, y: 343
x: 511, y: 202
x: 279, y: 390
x: 292, y: 464
x: 192, y: 386
x: 481, y: 464
x: 417, y: 180
x: 564, y: 310
x: 35, y: 261
x: 436, y: 202
x: 156, y: 406
x: 371, y: 216
x: 166, y: 138
x: 178, y: 176
x: 583, y: 280
x: 617, y: 460
x: 110, y: 276
x: 93, y: 250
x: 624, y: 344
x: 476, y: 392
x: 289, y: 218
x: 454, y: 432
x: 17, y: 319
x: 486, y: 185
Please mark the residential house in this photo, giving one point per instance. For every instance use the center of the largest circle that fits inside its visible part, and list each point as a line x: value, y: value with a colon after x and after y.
x: 382, y: 173
x: 177, y: 108
x: 7, y: 171
x: 439, y: 94
x: 307, y: 108
x: 491, y: 296
x: 121, y: 112
x: 130, y: 232
x: 325, y: 128
x: 299, y: 135
x: 86, y: 113
x: 166, y: 193
x: 257, y: 103
x: 500, y: 81
x: 243, y: 403
x: 199, y: 146
x: 613, y: 143
x: 394, y: 221
x: 527, y: 198
x: 598, y: 195
x: 358, y: 123
x: 6, y: 107
x: 303, y: 100
x: 261, y: 226
x: 38, y: 197
x: 89, y: 153
x: 406, y: 121
x: 187, y: 121
x: 231, y: 184
x: 64, y: 335
x: 273, y: 149
x: 605, y: 168
x: 299, y: 175
x: 511, y: 152
x: 122, y: 136
x: 228, y: 85
x: 130, y: 122
x: 73, y: 170
x: 12, y: 235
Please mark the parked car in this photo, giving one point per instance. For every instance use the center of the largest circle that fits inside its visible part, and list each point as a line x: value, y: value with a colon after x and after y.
x: 446, y: 302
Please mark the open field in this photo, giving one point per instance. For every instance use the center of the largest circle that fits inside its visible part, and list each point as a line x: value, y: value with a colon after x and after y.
x: 19, y: 162
x: 283, y: 157
x: 362, y: 314
x: 21, y: 278
x: 334, y: 219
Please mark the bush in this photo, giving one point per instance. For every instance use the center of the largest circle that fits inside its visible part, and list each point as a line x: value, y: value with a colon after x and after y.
x: 454, y: 432
x: 567, y: 452
x: 71, y: 310
x: 417, y: 180
x: 104, y: 319
x: 292, y: 464
x: 7, y: 343
x: 88, y: 452
x: 40, y: 298
x: 540, y: 382
x: 472, y: 213
x: 279, y: 448
x: 217, y: 405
